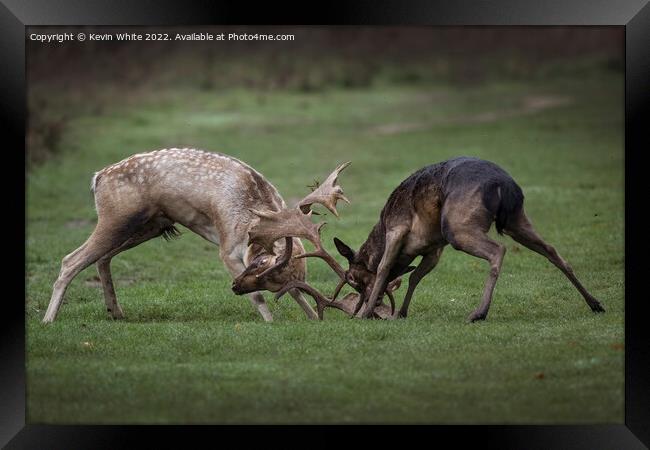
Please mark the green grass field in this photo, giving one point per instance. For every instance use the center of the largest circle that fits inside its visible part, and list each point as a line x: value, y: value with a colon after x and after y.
x: 189, y: 351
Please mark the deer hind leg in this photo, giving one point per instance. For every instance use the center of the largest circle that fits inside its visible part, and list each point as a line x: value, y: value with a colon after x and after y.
x: 104, y: 271
x: 427, y: 264
x: 107, y: 236
x: 465, y: 223
x: 521, y: 230
x: 480, y: 245
x: 149, y: 231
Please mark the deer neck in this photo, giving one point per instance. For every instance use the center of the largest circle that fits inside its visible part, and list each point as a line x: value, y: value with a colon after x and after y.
x: 372, y: 250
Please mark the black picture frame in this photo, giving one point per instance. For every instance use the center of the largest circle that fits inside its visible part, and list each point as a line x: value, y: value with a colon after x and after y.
x: 634, y: 15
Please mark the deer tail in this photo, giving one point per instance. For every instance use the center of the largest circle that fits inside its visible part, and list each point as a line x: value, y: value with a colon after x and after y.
x: 503, y: 198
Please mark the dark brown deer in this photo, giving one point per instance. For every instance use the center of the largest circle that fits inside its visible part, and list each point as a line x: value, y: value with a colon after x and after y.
x: 212, y: 194
x: 453, y: 202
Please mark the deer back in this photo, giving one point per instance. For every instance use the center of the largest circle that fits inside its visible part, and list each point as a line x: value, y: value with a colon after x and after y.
x: 210, y: 193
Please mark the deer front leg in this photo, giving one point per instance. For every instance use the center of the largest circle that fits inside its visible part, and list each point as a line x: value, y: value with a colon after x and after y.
x: 300, y: 299
x: 257, y: 300
x: 235, y: 266
x: 428, y: 263
x: 394, y: 242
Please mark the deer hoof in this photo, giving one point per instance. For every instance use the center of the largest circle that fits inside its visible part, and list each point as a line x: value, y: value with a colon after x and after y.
x: 116, y: 313
x: 596, y: 306
x: 476, y: 316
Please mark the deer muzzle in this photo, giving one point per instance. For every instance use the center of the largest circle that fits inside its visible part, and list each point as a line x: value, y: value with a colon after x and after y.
x: 238, y: 289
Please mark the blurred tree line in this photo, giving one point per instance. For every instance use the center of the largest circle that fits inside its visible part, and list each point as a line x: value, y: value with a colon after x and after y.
x: 66, y: 79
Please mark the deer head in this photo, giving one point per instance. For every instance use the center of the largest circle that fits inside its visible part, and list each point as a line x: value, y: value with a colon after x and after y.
x: 362, y: 278
x: 270, y: 270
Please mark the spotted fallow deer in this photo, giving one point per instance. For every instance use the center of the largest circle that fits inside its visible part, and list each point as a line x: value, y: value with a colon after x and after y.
x: 453, y: 202
x: 212, y: 194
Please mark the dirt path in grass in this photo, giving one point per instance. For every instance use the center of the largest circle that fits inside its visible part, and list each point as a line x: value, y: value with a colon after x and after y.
x: 529, y: 105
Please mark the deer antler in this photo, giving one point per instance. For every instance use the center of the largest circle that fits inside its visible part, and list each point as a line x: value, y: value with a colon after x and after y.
x: 285, y: 223
x: 283, y: 260
x: 321, y: 301
x: 327, y: 194
x: 346, y: 304
x: 296, y: 222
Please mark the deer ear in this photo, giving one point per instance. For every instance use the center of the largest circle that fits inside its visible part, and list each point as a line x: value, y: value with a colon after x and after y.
x: 344, y: 250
